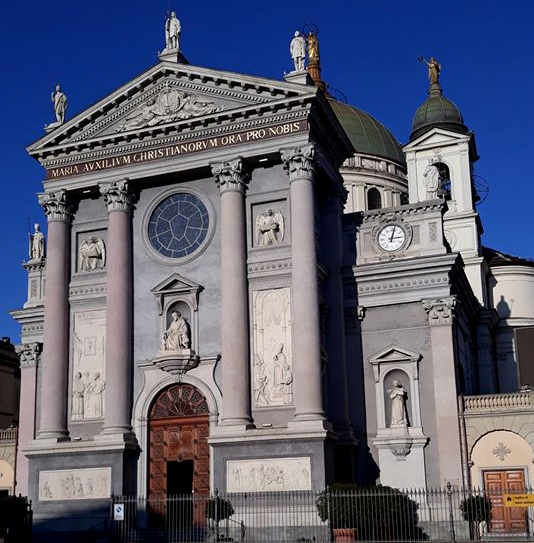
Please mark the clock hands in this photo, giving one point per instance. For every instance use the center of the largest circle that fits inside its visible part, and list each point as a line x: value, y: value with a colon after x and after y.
x: 392, y: 233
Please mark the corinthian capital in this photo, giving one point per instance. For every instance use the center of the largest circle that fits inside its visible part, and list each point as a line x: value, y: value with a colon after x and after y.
x: 440, y: 310
x: 29, y: 354
x: 231, y: 175
x: 56, y: 205
x: 298, y: 161
x: 116, y: 195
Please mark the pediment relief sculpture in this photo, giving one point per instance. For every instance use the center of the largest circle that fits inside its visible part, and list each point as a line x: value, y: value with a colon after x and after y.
x: 167, y: 106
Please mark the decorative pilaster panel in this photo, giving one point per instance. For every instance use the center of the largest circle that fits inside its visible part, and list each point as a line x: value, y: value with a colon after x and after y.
x: 232, y: 178
x: 29, y: 354
x: 440, y: 311
x: 273, y: 361
x: 231, y: 175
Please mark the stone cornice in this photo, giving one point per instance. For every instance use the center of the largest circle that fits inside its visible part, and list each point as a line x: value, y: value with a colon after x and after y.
x: 231, y: 176
x: 390, y: 213
x: 117, y: 196
x: 158, y: 137
x: 34, y: 265
x: 299, y: 162
x: 29, y: 354
x: 56, y: 205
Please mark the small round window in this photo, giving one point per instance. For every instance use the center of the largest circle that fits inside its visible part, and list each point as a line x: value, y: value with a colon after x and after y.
x: 178, y: 225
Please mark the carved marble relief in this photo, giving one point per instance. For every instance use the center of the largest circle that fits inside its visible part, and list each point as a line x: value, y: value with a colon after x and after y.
x: 88, y: 375
x: 75, y: 484
x: 91, y: 254
x: 169, y: 105
x: 268, y: 474
x: 269, y: 228
x: 272, y: 368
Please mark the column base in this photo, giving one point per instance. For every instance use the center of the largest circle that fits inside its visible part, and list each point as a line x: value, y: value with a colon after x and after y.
x: 309, y: 425
x: 54, y: 435
x: 117, y: 435
x: 244, y: 423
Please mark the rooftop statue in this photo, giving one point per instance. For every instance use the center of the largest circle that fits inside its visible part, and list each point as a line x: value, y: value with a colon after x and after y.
x: 297, y: 48
x: 60, y: 104
x: 434, y: 69
x: 37, y: 244
x: 173, y: 29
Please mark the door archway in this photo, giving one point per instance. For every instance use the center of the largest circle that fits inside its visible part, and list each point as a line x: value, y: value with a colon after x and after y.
x: 178, y: 455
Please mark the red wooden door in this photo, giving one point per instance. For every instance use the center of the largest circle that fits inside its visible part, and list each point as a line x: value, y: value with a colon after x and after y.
x: 505, y: 520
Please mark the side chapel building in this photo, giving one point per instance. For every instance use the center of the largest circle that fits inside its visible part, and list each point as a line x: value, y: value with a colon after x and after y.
x: 246, y: 276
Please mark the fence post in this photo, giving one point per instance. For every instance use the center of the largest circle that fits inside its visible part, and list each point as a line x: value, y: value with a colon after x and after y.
x: 330, y: 522
x: 452, y: 534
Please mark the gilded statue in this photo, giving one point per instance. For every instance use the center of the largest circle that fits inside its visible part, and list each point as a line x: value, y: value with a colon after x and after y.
x: 313, y: 48
x: 434, y: 69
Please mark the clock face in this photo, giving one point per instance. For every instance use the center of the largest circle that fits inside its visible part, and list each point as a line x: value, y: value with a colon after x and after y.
x: 391, y: 237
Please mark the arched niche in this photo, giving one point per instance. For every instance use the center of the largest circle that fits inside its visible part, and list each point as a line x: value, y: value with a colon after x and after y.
x: 400, y: 376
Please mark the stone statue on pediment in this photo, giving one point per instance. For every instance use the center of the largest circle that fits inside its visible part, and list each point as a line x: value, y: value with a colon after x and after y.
x: 177, y: 337
x: 60, y: 104
x: 297, y: 48
x: 173, y: 28
x: 36, y: 250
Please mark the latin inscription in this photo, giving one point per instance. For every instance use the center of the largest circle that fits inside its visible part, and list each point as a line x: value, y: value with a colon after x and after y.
x: 171, y: 151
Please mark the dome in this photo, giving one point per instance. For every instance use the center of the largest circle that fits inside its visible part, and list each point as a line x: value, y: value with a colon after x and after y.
x: 437, y: 111
x: 366, y: 134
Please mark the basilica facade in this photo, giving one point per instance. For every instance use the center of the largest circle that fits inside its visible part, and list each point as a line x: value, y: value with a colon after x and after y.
x: 251, y: 286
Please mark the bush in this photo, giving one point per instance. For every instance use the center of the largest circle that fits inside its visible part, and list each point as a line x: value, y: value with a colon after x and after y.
x: 476, y: 509
x: 378, y: 513
x: 218, y: 509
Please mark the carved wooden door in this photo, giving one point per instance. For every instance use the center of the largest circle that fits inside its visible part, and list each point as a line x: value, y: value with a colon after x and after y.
x: 178, y: 431
x: 505, y: 520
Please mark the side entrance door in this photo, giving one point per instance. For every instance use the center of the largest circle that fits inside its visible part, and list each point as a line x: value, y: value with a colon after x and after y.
x: 505, y: 520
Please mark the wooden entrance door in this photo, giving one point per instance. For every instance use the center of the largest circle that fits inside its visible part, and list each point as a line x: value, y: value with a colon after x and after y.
x: 505, y: 520
x: 178, y: 432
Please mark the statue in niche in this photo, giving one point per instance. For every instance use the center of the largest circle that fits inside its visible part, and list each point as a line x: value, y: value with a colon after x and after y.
x: 261, y: 384
x: 297, y: 48
x: 398, y: 395
x: 283, y: 376
x: 37, y: 244
x: 269, y: 228
x: 92, y: 255
x: 173, y: 29
x: 432, y: 180
x: 177, y: 337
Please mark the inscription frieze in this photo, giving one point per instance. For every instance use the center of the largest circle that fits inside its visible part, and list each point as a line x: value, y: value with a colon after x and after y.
x: 178, y: 149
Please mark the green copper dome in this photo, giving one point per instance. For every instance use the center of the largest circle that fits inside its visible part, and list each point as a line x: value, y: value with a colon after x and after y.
x: 437, y: 111
x: 366, y: 134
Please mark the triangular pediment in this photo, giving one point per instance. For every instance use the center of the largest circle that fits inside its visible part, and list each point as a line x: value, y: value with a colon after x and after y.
x: 175, y: 283
x: 436, y: 137
x: 394, y: 353
x: 165, y: 96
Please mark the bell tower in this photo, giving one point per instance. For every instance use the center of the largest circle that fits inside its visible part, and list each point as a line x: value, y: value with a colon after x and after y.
x: 440, y: 157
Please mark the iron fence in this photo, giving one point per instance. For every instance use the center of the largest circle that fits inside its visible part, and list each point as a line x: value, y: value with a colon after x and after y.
x: 338, y: 514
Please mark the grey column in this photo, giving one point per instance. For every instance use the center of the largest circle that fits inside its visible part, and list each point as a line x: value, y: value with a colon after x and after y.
x: 304, y: 285
x: 29, y: 354
x: 232, y: 180
x: 117, y: 416
x: 56, y: 317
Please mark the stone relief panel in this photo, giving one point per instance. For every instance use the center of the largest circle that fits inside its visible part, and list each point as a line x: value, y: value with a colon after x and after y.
x: 272, y: 362
x: 270, y: 223
x: 268, y: 474
x: 88, y: 368
x: 90, y: 251
x: 75, y: 484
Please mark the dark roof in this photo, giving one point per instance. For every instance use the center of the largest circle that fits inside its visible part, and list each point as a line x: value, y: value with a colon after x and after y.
x: 437, y: 111
x: 366, y: 134
x: 495, y: 258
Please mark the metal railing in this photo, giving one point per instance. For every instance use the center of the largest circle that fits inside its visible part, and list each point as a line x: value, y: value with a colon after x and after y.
x: 338, y: 514
x: 498, y: 402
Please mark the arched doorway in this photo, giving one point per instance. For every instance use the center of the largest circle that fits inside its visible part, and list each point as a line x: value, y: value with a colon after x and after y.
x: 178, y: 455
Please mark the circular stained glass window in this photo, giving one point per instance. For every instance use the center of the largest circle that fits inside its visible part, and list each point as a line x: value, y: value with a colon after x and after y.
x: 178, y: 225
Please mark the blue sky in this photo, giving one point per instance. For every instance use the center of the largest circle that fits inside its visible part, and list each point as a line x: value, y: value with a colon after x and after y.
x: 368, y: 53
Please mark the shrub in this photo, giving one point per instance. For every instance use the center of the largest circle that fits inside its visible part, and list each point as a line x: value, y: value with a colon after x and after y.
x: 218, y: 509
x: 476, y: 509
x: 377, y: 513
